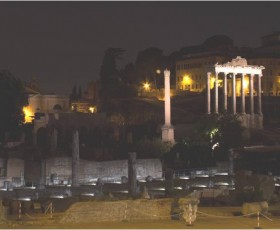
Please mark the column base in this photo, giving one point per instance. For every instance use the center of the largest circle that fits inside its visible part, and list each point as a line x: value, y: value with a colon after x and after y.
x: 168, y: 134
x: 253, y: 121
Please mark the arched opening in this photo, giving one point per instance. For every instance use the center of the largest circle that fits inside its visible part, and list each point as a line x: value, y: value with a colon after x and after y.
x: 57, y: 107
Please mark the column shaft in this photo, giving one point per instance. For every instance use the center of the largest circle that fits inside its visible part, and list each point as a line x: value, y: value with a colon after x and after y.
x: 225, y: 92
x: 251, y: 94
x: 167, y: 98
x: 216, y: 94
x: 208, y: 95
x: 260, y: 94
x: 234, y: 93
x: 75, y: 159
x: 242, y: 94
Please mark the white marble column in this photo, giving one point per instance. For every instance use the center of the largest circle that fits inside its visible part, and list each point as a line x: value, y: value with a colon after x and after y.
x: 167, y: 129
x: 167, y: 107
x: 242, y: 94
x: 260, y: 94
x: 225, y: 91
x: 251, y: 94
x: 208, y: 94
x: 216, y: 94
x: 233, y: 93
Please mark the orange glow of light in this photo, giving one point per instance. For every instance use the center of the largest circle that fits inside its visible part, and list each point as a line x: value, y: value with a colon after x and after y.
x: 92, y: 109
x: 212, y: 82
x: 27, y: 114
x: 147, y: 86
x: 246, y: 83
x: 186, y: 80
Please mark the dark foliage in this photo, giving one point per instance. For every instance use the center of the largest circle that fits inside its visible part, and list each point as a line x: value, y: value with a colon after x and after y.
x: 12, y: 100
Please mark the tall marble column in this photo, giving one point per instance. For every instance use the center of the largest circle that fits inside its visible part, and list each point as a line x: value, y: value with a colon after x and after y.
x: 75, y: 159
x: 167, y: 104
x: 242, y: 94
x: 233, y: 93
x: 225, y: 91
x: 251, y: 94
x: 260, y: 94
x: 208, y: 94
x: 167, y: 128
x: 216, y: 94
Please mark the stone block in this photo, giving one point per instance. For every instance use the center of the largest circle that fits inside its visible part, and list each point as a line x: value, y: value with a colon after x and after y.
x: 254, y: 208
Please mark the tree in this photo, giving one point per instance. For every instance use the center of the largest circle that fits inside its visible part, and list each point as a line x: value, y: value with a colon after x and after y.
x: 222, y: 132
x: 109, y: 72
x: 109, y: 76
x: 146, y: 64
x: 74, y: 94
x: 80, y: 92
x: 12, y: 100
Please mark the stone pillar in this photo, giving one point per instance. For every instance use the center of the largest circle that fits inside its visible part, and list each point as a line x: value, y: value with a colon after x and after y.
x: 75, y: 159
x: 54, y: 141
x: 42, y: 181
x: 167, y: 104
x: 225, y: 91
x: 231, y: 162
x: 251, y: 94
x: 167, y: 129
x: 208, y: 94
x: 242, y: 94
x: 132, y: 181
x: 260, y: 95
x: 216, y: 94
x: 233, y: 93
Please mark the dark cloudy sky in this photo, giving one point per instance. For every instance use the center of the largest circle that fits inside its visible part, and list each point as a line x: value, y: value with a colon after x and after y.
x: 62, y: 43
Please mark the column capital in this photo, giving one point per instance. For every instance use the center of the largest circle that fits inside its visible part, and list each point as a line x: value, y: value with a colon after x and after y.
x: 260, y: 75
x: 209, y: 73
x: 167, y: 73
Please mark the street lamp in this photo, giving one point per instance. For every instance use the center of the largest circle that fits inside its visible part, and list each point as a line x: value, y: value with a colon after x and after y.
x: 146, y: 86
x: 155, y: 80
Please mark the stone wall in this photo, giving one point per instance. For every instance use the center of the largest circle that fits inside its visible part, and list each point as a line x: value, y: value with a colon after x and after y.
x: 3, y: 213
x: 98, y: 211
x: 106, y: 170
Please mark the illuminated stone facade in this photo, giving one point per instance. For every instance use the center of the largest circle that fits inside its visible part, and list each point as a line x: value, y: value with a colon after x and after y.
x: 45, y: 104
x: 190, y: 72
x: 230, y: 71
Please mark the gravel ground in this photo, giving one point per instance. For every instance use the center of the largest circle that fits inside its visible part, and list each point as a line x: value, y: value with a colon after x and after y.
x: 216, y: 218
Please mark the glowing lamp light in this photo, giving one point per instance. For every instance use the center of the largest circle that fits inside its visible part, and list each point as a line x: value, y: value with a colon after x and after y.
x: 186, y: 80
x: 91, y: 109
x: 146, y: 86
x: 27, y: 114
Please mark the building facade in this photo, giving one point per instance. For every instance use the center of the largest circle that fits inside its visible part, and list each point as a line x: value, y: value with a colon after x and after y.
x: 45, y: 104
x: 192, y: 68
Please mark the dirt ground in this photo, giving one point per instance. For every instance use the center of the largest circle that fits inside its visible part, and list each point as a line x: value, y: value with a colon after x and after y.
x: 208, y: 218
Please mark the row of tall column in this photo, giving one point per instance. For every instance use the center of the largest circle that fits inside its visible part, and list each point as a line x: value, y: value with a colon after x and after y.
x: 251, y: 93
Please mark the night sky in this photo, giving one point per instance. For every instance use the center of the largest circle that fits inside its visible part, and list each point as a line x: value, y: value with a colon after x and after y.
x: 63, y: 43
